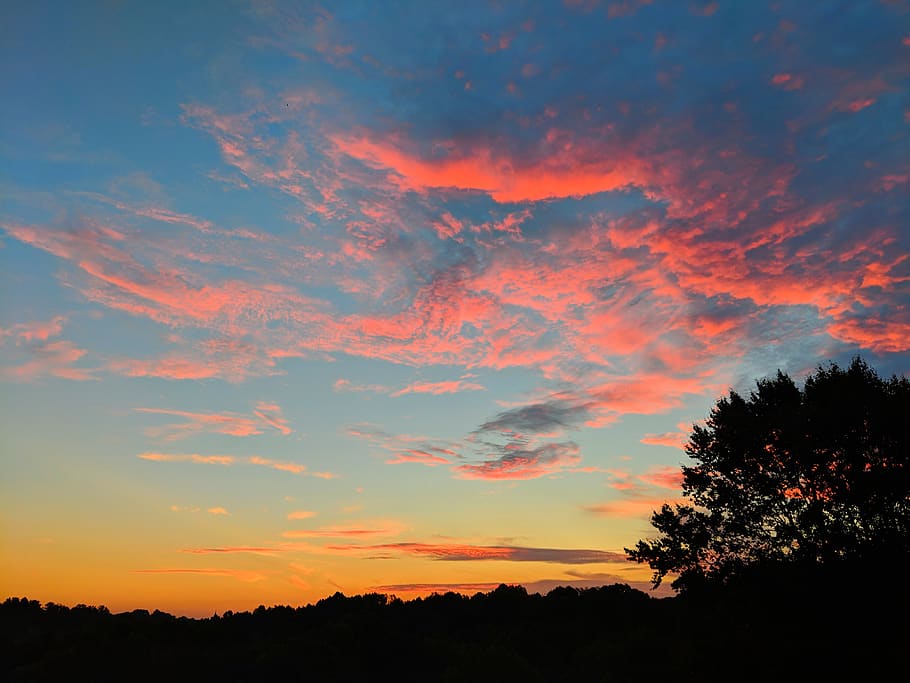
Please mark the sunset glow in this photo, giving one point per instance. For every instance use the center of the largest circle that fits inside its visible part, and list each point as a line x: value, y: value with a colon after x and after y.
x: 297, y: 299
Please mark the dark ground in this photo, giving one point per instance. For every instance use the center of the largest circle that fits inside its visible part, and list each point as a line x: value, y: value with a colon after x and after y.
x: 783, y: 628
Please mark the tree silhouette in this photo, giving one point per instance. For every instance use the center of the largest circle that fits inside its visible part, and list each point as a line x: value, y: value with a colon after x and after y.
x: 791, y: 477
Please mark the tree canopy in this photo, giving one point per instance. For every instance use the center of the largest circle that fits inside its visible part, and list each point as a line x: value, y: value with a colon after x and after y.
x: 790, y: 476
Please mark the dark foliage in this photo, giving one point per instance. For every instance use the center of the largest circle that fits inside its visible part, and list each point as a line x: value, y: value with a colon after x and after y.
x: 786, y: 628
x: 792, y: 477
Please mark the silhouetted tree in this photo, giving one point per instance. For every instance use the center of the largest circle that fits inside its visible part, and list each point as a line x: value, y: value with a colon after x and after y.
x: 791, y: 477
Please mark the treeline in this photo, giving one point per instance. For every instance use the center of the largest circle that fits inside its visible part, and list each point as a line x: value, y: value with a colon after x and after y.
x: 771, y: 627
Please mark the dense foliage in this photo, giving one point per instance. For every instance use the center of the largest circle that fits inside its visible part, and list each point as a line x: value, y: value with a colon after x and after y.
x: 791, y: 476
x: 787, y: 631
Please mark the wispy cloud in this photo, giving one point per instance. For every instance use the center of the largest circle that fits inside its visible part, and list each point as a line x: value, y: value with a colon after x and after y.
x: 292, y: 467
x: 197, y: 423
x: 238, y: 574
x: 417, y: 387
x: 271, y: 414
x: 50, y: 359
x: 435, y: 388
x: 189, y: 457
x: 218, y: 510
x: 459, y: 552
x: 363, y: 530
x: 408, y: 448
x: 517, y: 462
x: 38, y: 357
x: 38, y: 330
x: 238, y: 549
x: 266, y: 415
x: 634, y: 504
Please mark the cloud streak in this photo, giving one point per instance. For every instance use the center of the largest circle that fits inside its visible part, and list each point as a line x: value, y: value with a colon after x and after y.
x: 227, y: 460
x: 457, y: 552
x: 266, y: 415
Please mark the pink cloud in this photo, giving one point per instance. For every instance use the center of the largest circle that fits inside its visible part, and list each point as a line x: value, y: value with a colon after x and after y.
x: 788, y: 81
x: 39, y: 330
x: 169, y: 368
x: 476, y: 169
x: 407, y: 448
x: 341, y: 385
x: 669, y: 439
x: 436, y: 388
x: 448, y: 227
x: 50, y: 359
x: 231, y: 424
x: 271, y: 414
x: 301, y: 514
x: 705, y: 10
x: 292, y: 467
x: 854, y: 106
x: 215, y: 358
x: 880, y: 335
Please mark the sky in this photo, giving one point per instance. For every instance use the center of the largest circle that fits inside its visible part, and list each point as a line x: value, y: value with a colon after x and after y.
x: 416, y: 296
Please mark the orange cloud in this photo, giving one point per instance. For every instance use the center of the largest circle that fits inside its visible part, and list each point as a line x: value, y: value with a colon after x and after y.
x: 364, y: 531
x: 218, y: 511
x: 428, y: 588
x: 239, y: 574
x: 239, y: 549
x: 301, y: 514
x: 417, y: 456
x: 633, y: 505
x: 663, y: 477
x: 189, y: 457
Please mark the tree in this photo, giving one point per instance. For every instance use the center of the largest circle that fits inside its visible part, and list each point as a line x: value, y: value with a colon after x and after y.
x: 790, y: 477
